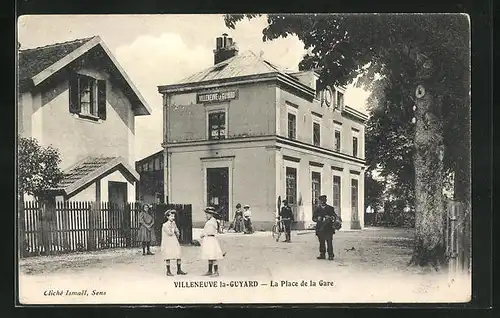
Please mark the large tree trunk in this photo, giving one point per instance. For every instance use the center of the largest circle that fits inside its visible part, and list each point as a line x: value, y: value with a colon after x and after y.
x: 429, y: 247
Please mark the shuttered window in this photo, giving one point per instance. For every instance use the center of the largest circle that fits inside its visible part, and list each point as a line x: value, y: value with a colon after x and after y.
x: 316, y: 134
x: 336, y: 193
x: 217, y: 125
x: 315, y: 187
x: 87, y: 96
x: 340, y: 101
x: 291, y: 185
x: 292, y: 126
x: 337, y: 140
x: 355, y: 146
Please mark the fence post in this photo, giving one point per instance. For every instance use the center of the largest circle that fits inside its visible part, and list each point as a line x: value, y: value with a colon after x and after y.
x: 467, y: 235
x: 462, y: 246
x: 91, y: 245
x: 126, y: 224
x: 452, y: 235
x: 21, y: 227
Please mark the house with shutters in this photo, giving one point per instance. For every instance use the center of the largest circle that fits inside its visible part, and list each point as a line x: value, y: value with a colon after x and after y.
x: 76, y: 97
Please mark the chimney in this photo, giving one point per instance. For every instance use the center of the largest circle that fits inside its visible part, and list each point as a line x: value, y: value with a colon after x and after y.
x: 225, y: 48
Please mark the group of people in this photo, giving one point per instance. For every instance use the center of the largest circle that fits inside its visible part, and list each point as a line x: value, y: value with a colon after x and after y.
x: 242, y: 220
x: 327, y: 222
x: 170, y: 246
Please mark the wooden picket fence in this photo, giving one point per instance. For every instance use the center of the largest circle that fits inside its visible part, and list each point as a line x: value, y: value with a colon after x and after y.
x: 89, y: 226
x: 458, y: 238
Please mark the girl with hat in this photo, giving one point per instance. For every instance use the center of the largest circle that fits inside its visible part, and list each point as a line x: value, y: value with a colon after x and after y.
x: 247, y: 219
x: 210, y: 248
x: 238, y: 219
x: 146, y: 233
x: 170, y: 247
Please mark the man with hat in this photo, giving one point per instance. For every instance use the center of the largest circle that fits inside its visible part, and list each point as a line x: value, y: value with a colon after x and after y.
x: 286, y: 215
x: 325, y: 217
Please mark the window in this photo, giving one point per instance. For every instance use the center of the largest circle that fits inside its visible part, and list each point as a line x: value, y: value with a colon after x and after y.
x: 340, y: 100
x: 336, y: 193
x: 157, y: 164
x: 337, y: 140
x: 291, y: 185
x: 217, y: 125
x: 315, y: 186
x: 145, y: 166
x: 355, y: 146
x: 354, y: 200
x: 316, y: 134
x: 292, y: 126
x: 318, y: 92
x: 87, y: 97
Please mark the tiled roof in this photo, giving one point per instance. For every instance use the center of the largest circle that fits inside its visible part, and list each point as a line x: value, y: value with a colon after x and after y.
x: 88, y: 170
x: 37, y: 64
x: 246, y: 63
x: 82, y: 169
x: 34, y: 61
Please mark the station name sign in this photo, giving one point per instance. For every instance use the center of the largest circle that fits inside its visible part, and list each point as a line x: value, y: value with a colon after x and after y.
x: 216, y: 97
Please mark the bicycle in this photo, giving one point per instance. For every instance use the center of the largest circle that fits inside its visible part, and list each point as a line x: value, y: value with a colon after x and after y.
x: 222, y: 227
x: 278, y: 228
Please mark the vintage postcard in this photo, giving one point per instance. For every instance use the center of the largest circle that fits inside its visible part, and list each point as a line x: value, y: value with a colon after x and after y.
x: 243, y: 159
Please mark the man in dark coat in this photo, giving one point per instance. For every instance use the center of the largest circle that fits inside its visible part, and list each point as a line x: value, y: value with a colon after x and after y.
x: 286, y: 215
x: 324, y: 215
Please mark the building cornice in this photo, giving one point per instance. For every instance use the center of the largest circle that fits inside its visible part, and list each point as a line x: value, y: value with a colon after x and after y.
x: 218, y: 142
x: 269, y: 138
x: 355, y: 114
x: 302, y: 145
x: 241, y: 80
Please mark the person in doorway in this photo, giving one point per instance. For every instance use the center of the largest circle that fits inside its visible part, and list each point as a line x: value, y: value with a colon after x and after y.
x: 210, y: 248
x: 170, y: 247
x: 238, y: 219
x: 222, y: 220
x: 325, y: 217
x: 286, y: 216
x: 247, y: 219
x: 146, y: 233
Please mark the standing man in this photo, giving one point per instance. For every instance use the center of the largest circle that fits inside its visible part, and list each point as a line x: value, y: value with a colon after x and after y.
x: 286, y: 215
x: 324, y: 215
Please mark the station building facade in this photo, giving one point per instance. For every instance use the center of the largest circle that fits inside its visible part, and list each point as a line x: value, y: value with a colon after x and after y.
x: 245, y: 131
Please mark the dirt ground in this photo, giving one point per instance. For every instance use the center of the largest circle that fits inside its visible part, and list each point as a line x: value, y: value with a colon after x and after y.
x: 369, y: 266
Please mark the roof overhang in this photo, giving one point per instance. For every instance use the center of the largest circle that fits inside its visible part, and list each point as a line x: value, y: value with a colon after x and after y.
x: 116, y: 164
x: 355, y: 114
x: 249, y: 79
x: 140, y: 108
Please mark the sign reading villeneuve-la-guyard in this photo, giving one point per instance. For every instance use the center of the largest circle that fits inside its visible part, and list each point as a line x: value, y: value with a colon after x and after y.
x: 216, y: 97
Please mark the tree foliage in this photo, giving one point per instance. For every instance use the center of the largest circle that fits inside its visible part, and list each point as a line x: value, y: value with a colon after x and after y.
x: 347, y: 47
x: 38, y: 167
x: 389, y: 54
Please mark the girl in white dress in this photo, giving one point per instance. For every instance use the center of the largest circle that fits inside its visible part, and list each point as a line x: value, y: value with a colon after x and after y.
x: 170, y: 247
x: 210, y: 248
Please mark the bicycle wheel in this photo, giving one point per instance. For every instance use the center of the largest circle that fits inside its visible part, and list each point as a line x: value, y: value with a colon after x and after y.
x: 276, y: 232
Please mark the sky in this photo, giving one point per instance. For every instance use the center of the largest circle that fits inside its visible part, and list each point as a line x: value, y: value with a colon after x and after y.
x: 162, y: 49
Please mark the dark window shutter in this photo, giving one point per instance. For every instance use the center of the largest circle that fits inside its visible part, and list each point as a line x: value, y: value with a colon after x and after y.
x: 74, y: 96
x: 102, y: 99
